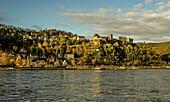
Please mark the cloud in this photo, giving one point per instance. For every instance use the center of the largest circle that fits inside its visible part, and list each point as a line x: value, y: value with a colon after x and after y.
x: 5, y: 18
x: 119, y: 10
x: 62, y: 25
x: 2, y: 16
x: 36, y: 27
x: 104, y: 10
x: 148, y: 1
x: 160, y: 3
x: 142, y: 23
x: 139, y: 5
x: 168, y: 4
x: 75, y: 10
x: 131, y: 14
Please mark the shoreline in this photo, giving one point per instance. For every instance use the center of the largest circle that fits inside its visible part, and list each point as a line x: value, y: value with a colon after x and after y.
x: 112, y: 67
x: 86, y: 67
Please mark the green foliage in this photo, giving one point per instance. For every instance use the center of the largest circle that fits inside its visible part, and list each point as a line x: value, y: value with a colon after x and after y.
x: 56, y: 43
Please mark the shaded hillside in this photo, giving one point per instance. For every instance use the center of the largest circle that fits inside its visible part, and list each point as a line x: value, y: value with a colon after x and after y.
x: 160, y: 48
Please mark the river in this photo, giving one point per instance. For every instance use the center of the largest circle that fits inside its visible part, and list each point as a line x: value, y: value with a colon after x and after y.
x: 149, y: 85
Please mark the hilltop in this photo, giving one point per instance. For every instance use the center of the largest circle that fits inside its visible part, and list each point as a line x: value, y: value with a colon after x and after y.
x: 160, y: 48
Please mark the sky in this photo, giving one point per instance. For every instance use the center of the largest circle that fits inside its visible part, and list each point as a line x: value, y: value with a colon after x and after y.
x: 142, y: 20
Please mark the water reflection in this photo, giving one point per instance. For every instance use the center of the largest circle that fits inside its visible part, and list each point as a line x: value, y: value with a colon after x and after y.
x: 96, y: 85
x: 85, y: 85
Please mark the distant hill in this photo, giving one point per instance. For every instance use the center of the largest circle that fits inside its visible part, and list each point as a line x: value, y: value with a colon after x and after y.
x: 160, y: 48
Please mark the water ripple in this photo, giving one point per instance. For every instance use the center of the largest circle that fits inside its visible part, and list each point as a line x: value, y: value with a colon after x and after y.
x: 85, y: 85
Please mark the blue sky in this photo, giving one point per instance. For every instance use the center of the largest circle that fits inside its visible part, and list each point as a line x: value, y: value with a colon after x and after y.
x: 143, y: 20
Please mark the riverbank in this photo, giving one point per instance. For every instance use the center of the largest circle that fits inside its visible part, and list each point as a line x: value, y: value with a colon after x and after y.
x: 112, y: 67
x: 87, y: 67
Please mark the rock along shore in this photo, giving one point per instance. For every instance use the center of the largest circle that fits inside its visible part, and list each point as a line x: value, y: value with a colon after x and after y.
x: 112, y: 67
x: 88, y: 67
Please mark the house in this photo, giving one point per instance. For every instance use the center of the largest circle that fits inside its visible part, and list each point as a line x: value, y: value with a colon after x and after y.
x: 39, y: 62
x: 121, y: 38
x: 96, y: 36
x: 23, y: 50
x: 96, y: 39
x: 33, y: 57
x: 104, y: 38
x: 1, y: 26
x: 23, y: 53
x: 96, y: 42
x: 80, y: 38
x: 69, y: 56
x: 74, y: 38
x: 110, y: 37
x: 11, y: 56
x: 124, y: 39
x: 46, y: 38
x: 52, y: 38
x: 39, y: 38
x: 129, y: 40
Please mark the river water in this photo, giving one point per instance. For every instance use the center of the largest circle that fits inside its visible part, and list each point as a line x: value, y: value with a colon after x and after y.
x: 150, y: 85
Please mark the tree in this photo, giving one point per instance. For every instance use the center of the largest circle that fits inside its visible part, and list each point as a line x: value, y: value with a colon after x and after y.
x: 73, y: 62
x: 136, y: 62
x: 11, y: 62
x: 18, y: 61
x: 94, y: 61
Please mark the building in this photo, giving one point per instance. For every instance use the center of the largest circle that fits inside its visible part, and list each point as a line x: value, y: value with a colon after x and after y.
x: 121, y: 38
x: 74, y: 38
x: 46, y: 38
x: 23, y: 53
x: 39, y: 62
x: 103, y: 38
x: 1, y: 26
x: 80, y: 38
x: 110, y: 37
x: 129, y: 40
x: 69, y: 56
x: 97, y: 42
x: 124, y: 39
x: 52, y: 38
x: 96, y: 39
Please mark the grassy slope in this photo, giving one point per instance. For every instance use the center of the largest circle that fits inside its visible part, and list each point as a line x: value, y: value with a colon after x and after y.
x: 161, y: 48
